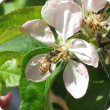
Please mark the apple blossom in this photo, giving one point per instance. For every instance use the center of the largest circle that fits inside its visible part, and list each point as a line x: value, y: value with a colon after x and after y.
x: 93, y: 22
x: 66, y: 17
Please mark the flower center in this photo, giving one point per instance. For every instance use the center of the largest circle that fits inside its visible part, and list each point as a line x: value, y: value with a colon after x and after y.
x: 93, y: 21
x: 61, y: 52
x: 64, y: 49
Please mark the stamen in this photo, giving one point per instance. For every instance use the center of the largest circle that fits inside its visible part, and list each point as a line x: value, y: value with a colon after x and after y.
x: 88, y: 14
x: 100, y: 20
x: 93, y: 12
x: 93, y: 21
x: 101, y: 27
x: 106, y: 24
x: 101, y: 14
x: 92, y: 33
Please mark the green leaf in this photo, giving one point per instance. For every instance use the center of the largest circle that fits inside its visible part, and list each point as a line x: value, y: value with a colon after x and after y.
x: 97, y: 96
x: 58, y: 84
x: 17, y: 48
x: 80, y: 35
x: 4, y: 90
x: 22, y: 43
x: 58, y: 88
x: 35, y: 96
x: 107, y: 11
x: 37, y: 2
x: 0, y: 86
x: 1, y: 9
x: 14, y: 18
x: 10, y: 33
x: 94, y: 42
x: 56, y: 109
x: 19, y: 4
x: 10, y: 68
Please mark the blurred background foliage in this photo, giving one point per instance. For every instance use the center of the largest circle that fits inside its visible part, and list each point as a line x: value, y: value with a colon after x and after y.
x: 10, y: 5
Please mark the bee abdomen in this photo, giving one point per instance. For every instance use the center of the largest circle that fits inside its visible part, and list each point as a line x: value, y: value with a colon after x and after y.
x: 41, y: 72
x: 44, y: 67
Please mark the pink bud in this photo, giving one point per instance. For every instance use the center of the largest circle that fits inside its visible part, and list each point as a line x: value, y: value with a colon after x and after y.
x: 5, y: 100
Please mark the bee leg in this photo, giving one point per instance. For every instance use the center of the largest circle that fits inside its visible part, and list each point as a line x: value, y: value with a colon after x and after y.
x: 50, y: 70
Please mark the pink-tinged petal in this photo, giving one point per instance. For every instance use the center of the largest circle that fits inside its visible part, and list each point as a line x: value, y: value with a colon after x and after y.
x: 40, y: 31
x: 107, y: 21
x: 33, y: 69
x: 76, y: 79
x: 48, y: 10
x: 9, y: 96
x: 68, y: 19
x: 85, y: 52
x: 94, y: 5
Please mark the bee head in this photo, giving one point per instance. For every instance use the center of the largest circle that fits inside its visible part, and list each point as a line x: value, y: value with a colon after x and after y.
x: 54, y: 53
x: 48, y: 57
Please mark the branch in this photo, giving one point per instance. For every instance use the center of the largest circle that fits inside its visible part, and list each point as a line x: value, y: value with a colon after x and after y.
x: 104, y: 43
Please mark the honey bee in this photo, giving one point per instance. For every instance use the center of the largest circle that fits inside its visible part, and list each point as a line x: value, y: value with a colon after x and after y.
x: 46, y: 63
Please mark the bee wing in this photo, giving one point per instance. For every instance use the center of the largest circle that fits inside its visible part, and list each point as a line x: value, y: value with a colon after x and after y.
x: 32, y: 69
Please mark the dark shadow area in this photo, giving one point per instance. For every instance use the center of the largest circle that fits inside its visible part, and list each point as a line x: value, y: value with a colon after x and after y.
x: 1, y: 10
x: 35, y: 3
x: 9, y: 0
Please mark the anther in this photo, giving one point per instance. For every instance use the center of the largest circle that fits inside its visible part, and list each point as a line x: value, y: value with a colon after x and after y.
x: 103, y: 16
x: 92, y: 20
x: 93, y: 12
x: 92, y: 33
x: 88, y: 14
x: 106, y: 24
x: 100, y: 20
x: 101, y: 27
x: 98, y: 25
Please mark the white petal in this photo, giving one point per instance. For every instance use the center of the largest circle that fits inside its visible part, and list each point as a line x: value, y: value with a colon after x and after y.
x: 85, y: 52
x: 94, y: 5
x: 48, y: 10
x: 108, y: 1
x: 76, y: 79
x: 40, y: 31
x: 68, y: 19
x: 107, y: 21
x: 32, y: 69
